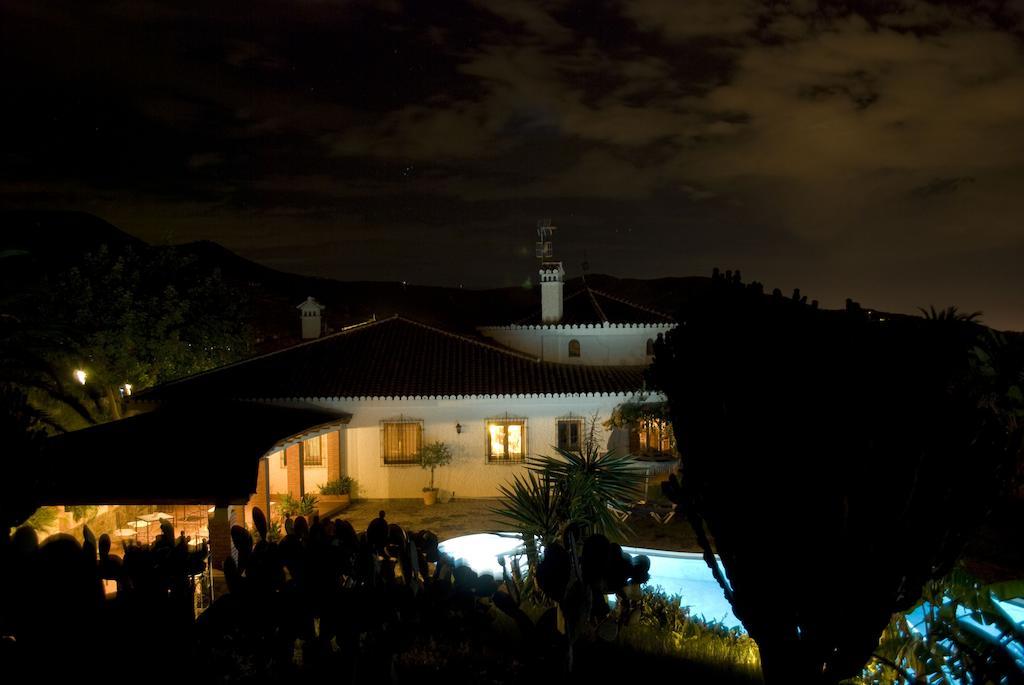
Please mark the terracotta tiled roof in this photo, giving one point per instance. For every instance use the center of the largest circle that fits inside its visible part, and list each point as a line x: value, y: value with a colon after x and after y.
x: 397, y: 357
x: 589, y: 306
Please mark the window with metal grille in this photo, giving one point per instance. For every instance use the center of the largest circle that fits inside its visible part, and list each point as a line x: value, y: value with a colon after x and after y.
x: 312, y: 452
x: 570, y: 432
x: 574, y: 348
x: 401, y: 441
x: 506, y: 440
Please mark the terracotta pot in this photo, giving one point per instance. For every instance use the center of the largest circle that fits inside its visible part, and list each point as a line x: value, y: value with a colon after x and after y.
x: 429, y: 497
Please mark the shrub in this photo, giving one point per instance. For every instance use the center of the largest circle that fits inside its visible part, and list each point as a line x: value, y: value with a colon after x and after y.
x: 956, y: 633
x: 45, y: 517
x: 304, y: 506
x: 346, y: 485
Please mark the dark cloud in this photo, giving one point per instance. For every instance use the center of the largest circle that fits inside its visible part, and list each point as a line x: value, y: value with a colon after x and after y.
x: 865, y: 149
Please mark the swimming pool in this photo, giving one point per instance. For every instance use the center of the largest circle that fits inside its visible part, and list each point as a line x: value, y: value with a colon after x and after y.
x: 686, y: 574
x: 678, y: 573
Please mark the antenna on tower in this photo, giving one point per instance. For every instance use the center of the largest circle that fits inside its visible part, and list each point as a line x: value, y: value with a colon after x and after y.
x: 544, y: 232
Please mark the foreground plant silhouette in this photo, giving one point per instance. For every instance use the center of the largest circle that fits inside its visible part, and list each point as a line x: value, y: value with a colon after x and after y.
x: 838, y: 461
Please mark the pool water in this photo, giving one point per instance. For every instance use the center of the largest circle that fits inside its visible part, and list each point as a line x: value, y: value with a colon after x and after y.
x: 677, y: 573
x: 687, y: 575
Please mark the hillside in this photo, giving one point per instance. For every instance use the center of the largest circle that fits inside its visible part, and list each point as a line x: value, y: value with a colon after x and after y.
x: 37, y: 243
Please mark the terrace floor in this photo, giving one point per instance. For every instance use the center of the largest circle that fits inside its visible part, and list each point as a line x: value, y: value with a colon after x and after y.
x: 995, y: 553
x: 467, y: 516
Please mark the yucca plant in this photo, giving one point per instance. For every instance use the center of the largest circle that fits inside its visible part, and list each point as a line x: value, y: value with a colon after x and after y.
x: 530, y: 507
x: 588, y: 482
x: 302, y: 506
x: 569, y: 492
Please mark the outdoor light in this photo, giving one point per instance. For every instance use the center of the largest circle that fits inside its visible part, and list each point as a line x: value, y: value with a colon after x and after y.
x: 126, y: 389
x: 458, y: 428
x: 80, y: 376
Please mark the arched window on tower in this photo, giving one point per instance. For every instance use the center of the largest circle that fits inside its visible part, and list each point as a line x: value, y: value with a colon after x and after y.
x: 574, y: 348
x: 650, y: 347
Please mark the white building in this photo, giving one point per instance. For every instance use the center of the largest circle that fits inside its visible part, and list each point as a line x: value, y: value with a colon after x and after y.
x: 395, y: 384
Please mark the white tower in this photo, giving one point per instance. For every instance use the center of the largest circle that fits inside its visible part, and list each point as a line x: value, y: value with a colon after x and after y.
x: 552, y: 275
x: 312, y: 325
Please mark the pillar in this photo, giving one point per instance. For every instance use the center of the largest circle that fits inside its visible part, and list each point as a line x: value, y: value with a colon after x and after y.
x: 332, y: 442
x: 262, y: 497
x: 293, y: 458
x: 220, y: 537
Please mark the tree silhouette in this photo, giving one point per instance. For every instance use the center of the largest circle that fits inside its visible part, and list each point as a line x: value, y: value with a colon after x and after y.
x: 834, y: 462
x: 146, y: 316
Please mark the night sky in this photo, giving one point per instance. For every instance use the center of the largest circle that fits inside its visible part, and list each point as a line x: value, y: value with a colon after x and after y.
x: 868, y: 149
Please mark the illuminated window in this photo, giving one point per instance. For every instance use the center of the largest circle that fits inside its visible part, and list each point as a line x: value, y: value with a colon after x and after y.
x: 574, y: 348
x: 652, y: 436
x: 650, y: 347
x: 401, y: 441
x: 506, y: 440
x: 570, y: 432
x: 312, y: 454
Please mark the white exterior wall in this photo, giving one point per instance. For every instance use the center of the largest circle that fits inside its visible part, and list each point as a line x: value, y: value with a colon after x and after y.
x: 313, y: 477
x: 278, y: 474
x: 469, y: 474
x: 609, y: 345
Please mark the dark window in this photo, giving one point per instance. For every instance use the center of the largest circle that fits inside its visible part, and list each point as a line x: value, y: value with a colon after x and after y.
x: 506, y: 440
x: 570, y: 432
x: 312, y: 452
x: 650, y: 347
x: 574, y: 348
x: 401, y: 441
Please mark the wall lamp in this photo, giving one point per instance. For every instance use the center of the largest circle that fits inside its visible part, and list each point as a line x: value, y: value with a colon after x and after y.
x: 458, y: 428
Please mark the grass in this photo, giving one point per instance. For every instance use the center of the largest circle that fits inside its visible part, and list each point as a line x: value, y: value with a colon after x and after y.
x: 666, y: 628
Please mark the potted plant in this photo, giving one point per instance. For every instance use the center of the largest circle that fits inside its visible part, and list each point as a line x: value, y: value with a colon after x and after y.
x: 336, y: 495
x: 304, y: 506
x: 432, y: 455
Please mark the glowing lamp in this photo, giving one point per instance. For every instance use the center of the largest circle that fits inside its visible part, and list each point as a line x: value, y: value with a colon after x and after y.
x: 127, y: 389
x: 80, y: 376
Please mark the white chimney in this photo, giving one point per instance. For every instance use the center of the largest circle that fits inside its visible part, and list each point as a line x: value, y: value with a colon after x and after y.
x: 552, y: 276
x: 312, y: 325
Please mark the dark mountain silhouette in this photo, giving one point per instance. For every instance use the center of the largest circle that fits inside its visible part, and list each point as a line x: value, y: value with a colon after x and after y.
x: 34, y: 243
x: 37, y: 243
x: 59, y: 234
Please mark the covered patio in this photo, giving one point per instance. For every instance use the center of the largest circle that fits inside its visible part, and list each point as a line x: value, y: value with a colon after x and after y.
x: 208, y: 455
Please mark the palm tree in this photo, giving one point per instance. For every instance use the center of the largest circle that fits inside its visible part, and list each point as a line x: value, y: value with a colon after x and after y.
x: 22, y: 436
x: 950, y: 313
x: 26, y: 363
x: 30, y: 381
